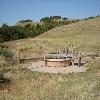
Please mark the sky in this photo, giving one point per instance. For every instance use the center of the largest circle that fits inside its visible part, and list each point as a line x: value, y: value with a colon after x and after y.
x: 11, y: 11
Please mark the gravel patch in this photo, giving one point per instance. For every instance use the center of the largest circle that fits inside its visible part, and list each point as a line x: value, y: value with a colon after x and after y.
x: 39, y: 66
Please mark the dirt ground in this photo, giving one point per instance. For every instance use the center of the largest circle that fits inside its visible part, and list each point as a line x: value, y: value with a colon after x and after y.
x: 40, y: 67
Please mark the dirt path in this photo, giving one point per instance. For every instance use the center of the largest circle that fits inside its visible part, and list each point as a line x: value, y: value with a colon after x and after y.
x: 39, y: 66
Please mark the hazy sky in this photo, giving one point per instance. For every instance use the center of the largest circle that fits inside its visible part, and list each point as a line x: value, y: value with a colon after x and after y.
x: 11, y: 11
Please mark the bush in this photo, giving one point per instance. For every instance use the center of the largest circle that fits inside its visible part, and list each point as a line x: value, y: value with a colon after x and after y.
x: 7, y: 54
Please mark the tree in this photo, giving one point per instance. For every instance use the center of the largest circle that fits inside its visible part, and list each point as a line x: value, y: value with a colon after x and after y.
x: 65, y: 18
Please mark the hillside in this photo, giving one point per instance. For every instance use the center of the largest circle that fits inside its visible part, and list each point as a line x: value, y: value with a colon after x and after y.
x: 79, y: 36
x: 29, y: 29
x: 82, y: 29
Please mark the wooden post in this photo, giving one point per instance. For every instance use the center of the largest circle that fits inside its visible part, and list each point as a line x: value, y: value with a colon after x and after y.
x: 45, y: 60
x: 79, y: 61
x: 19, y: 59
x: 67, y: 50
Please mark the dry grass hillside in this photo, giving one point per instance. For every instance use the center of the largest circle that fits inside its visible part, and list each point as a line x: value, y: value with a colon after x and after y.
x: 79, y: 36
x: 28, y: 85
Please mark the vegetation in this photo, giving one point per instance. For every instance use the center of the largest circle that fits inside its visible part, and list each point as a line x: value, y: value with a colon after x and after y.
x: 6, y: 56
x: 25, y: 84
x: 91, y: 17
x: 23, y: 21
x: 82, y: 36
x: 9, y: 33
x: 44, y: 86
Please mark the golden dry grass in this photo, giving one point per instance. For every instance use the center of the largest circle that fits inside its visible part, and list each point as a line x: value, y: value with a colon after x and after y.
x: 80, y: 36
x: 28, y: 85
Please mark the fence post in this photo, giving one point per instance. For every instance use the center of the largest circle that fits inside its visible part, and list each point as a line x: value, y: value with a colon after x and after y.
x: 19, y: 59
x: 79, y: 60
x: 45, y: 60
x: 67, y: 51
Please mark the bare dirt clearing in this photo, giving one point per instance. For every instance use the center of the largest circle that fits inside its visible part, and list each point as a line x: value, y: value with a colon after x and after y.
x: 39, y: 66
